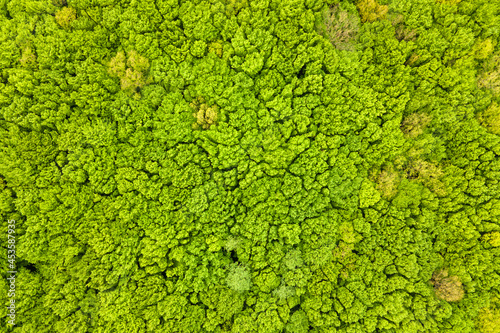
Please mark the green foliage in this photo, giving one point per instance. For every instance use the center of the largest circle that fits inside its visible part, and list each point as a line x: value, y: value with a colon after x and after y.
x: 28, y: 58
x: 449, y: 2
x: 483, y: 49
x: 415, y: 124
x: 490, y: 118
x: 205, y: 115
x: 371, y: 10
x: 448, y: 288
x: 402, y: 32
x: 65, y: 16
x: 368, y: 195
x: 231, y: 244
x: 489, y: 74
x: 132, y: 71
x: 284, y: 292
x: 493, y: 238
x: 388, y: 181
x: 251, y: 166
x: 489, y: 318
x: 216, y: 48
x: 340, y: 26
x: 298, y: 323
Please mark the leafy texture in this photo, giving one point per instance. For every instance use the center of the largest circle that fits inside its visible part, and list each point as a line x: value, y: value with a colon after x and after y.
x: 251, y: 166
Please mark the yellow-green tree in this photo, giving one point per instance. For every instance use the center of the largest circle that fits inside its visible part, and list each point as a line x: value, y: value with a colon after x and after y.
x: 488, y: 320
x: 340, y: 27
x: 490, y: 118
x: 387, y: 182
x: 65, y: 16
x: 205, y: 115
x: 371, y: 10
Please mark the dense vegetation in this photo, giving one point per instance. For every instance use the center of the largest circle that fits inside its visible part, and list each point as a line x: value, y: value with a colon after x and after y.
x: 251, y: 165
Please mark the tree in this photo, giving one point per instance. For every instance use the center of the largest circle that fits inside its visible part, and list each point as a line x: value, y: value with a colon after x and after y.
x: 298, y: 323
x: 449, y: 2
x: 388, y: 181
x: 401, y: 31
x: 489, y: 318
x: 490, y: 118
x: 340, y: 26
x: 65, y: 16
x: 239, y: 278
x: 205, y: 115
x: 371, y: 10
x: 415, y: 124
x: 489, y: 76
x: 132, y: 70
x: 448, y: 288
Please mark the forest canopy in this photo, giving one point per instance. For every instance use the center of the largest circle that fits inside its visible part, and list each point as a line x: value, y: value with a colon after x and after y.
x: 251, y: 165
